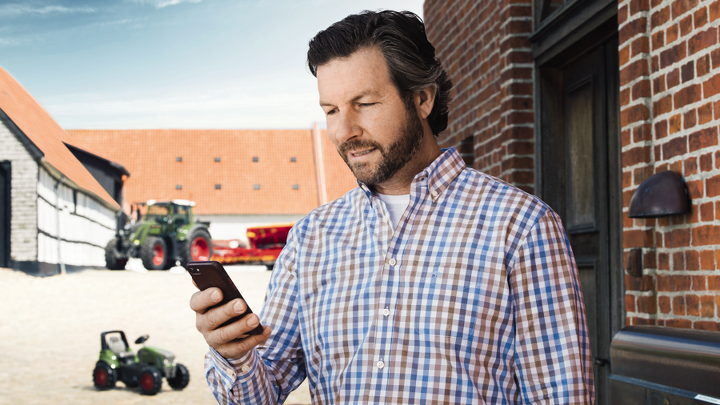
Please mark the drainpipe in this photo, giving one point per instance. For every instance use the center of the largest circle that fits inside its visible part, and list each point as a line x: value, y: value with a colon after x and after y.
x: 59, y: 239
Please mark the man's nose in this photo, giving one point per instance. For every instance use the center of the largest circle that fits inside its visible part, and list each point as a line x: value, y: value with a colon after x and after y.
x: 347, y: 127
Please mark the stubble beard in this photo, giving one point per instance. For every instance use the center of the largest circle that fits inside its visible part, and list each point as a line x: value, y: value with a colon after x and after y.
x: 392, y: 157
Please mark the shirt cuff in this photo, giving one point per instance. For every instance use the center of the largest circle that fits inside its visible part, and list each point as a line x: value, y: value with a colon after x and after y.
x: 234, y: 370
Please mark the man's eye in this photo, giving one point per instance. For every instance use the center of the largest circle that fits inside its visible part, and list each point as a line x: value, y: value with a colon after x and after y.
x: 331, y: 112
x: 366, y: 104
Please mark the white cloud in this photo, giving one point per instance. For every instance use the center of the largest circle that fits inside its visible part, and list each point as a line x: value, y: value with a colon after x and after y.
x: 10, y: 10
x: 163, y: 3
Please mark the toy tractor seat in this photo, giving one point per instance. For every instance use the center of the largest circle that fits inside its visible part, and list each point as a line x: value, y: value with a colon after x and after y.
x: 116, y: 344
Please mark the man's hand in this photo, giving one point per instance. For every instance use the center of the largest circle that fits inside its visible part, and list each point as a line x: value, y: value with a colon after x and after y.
x: 222, y: 339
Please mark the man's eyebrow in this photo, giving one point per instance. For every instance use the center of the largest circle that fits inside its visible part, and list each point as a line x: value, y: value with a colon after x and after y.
x: 354, y: 99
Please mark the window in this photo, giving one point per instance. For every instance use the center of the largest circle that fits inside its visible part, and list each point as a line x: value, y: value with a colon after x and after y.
x: 255, y: 159
x: 256, y: 187
x: 178, y: 159
x: 217, y: 159
x: 178, y: 187
x: 296, y: 187
x: 293, y: 159
x: 218, y: 187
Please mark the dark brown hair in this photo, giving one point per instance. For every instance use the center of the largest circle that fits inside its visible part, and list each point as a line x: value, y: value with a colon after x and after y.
x: 401, y: 38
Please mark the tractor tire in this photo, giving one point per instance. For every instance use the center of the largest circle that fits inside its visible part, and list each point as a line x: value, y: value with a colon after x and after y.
x: 114, y: 260
x: 104, y: 377
x: 150, y: 380
x: 154, y: 253
x: 181, y: 379
x: 197, y: 247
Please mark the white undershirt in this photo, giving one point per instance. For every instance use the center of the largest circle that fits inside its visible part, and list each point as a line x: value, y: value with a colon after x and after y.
x: 396, y: 205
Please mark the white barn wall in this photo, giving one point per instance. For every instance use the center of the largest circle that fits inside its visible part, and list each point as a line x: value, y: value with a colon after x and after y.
x: 23, y: 197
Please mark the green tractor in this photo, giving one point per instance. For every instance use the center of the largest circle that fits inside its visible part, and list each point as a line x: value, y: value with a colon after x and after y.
x: 167, y: 234
x: 145, y: 369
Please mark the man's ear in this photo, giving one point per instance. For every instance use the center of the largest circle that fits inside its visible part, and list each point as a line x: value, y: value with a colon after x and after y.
x: 425, y: 100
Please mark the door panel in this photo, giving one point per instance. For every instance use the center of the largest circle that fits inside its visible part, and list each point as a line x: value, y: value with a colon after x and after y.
x: 4, y: 214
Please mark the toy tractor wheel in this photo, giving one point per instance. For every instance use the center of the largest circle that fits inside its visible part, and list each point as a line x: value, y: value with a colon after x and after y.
x: 104, y: 377
x: 114, y: 260
x: 154, y: 253
x: 150, y: 380
x: 181, y: 379
x: 198, y: 247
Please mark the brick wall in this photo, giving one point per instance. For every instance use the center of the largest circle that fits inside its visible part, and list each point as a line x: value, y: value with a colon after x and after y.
x: 670, y: 104
x: 23, y: 196
x: 489, y: 61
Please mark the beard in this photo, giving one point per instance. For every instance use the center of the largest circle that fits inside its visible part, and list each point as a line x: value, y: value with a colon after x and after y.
x: 393, y: 157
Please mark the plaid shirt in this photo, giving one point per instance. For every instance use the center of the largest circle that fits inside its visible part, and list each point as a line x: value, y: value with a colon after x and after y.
x: 474, y: 298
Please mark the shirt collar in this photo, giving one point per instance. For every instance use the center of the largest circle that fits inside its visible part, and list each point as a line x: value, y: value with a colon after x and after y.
x: 440, y: 173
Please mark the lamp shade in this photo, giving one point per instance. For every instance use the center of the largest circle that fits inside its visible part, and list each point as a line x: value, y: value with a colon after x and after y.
x: 661, y: 195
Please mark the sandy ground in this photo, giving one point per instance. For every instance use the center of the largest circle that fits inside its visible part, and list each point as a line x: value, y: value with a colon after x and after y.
x: 50, y: 332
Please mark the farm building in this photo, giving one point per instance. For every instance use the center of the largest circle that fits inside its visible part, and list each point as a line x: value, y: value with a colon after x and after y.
x: 53, y: 213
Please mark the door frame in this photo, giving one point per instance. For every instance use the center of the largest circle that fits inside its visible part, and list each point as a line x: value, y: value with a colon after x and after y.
x: 6, y: 215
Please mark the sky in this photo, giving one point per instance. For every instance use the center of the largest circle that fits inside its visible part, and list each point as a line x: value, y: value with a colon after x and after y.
x: 185, y: 64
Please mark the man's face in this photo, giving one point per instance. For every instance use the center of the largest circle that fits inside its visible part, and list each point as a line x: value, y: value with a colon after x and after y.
x: 367, y: 119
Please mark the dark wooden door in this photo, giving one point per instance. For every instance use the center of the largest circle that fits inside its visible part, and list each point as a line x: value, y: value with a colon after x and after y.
x: 4, y: 214
x: 578, y: 158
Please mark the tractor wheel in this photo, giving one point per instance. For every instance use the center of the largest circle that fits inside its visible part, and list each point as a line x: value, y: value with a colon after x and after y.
x: 154, y: 253
x: 150, y: 380
x: 104, y: 377
x: 181, y: 379
x: 114, y: 260
x: 198, y: 247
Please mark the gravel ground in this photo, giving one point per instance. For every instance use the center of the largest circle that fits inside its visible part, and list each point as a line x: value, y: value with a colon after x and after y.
x: 50, y: 332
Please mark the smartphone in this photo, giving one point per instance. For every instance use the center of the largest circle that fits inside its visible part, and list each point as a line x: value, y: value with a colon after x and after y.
x: 212, y: 274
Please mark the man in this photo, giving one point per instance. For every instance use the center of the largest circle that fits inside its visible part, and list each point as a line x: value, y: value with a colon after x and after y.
x: 430, y: 283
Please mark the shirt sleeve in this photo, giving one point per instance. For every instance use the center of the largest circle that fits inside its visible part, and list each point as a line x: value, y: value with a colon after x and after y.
x: 269, y: 373
x: 552, y: 347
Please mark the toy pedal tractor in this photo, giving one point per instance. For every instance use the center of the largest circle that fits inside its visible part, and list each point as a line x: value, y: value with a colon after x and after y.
x: 146, y: 368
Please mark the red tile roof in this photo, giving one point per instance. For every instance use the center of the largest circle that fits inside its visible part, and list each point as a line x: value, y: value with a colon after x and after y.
x: 150, y: 156
x: 46, y: 134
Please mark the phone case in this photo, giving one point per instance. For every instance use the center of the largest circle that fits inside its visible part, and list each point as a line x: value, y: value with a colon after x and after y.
x: 212, y: 274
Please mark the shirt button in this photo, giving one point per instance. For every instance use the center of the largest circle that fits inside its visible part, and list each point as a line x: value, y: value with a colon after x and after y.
x: 386, y: 312
x: 392, y: 262
x: 387, y: 219
x: 380, y: 365
x: 434, y: 194
x: 244, y: 369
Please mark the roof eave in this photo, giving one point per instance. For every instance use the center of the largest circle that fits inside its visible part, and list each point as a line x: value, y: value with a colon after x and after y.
x: 58, y: 175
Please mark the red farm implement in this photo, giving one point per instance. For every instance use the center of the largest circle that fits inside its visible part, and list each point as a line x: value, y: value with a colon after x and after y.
x: 266, y: 242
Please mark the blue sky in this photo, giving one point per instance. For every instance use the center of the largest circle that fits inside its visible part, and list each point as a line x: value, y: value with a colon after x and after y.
x: 119, y: 64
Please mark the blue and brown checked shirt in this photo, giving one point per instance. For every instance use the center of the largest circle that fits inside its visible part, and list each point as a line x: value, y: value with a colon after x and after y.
x: 473, y: 299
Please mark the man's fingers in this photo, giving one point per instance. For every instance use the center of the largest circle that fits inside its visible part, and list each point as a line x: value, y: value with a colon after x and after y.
x: 219, y: 336
x: 202, y: 300
x: 237, y: 349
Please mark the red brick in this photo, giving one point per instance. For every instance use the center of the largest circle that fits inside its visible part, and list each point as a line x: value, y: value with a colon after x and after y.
x: 707, y: 259
x: 638, y: 112
x: 695, y: 189
x: 715, y: 10
x: 624, y: 55
x: 680, y: 7
x: 641, y: 89
x: 686, y: 26
x: 699, y: 283
x: 624, y: 97
x: 692, y: 260
x: 674, y: 147
x: 716, y: 109
x: 707, y: 212
x: 647, y: 305
x: 692, y: 305
x: 622, y: 14
x: 656, y: 150
x: 631, y: 157
x: 706, y: 325
x: 629, y: 303
x: 637, y: 238
x: 714, y: 284
x: 660, y: 17
x: 663, y: 261
x: 711, y: 86
x: 700, y: 17
x: 641, y: 174
x: 661, y: 129
x: 715, y: 56
x: 706, y: 235
x: 634, y: 70
x: 678, y: 261
x: 659, y: 84
x: 642, y: 133
x: 707, y: 306
x: 690, y: 166
x: 664, y: 304
x: 625, y: 137
x: 702, y: 40
x: 663, y: 106
x: 677, y: 238
x: 672, y: 55
x: 689, y: 119
x: 655, y: 63
x: 678, y: 323
x: 687, y: 95
x: 658, y: 40
x: 713, y: 186
x: 705, y: 113
x: 678, y: 305
x: 703, y: 65
x: 637, y: 6
x: 687, y: 71
x: 671, y: 34
x: 706, y: 162
x: 675, y: 123
x: 632, y: 29
x: 673, y: 78
x: 640, y: 46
